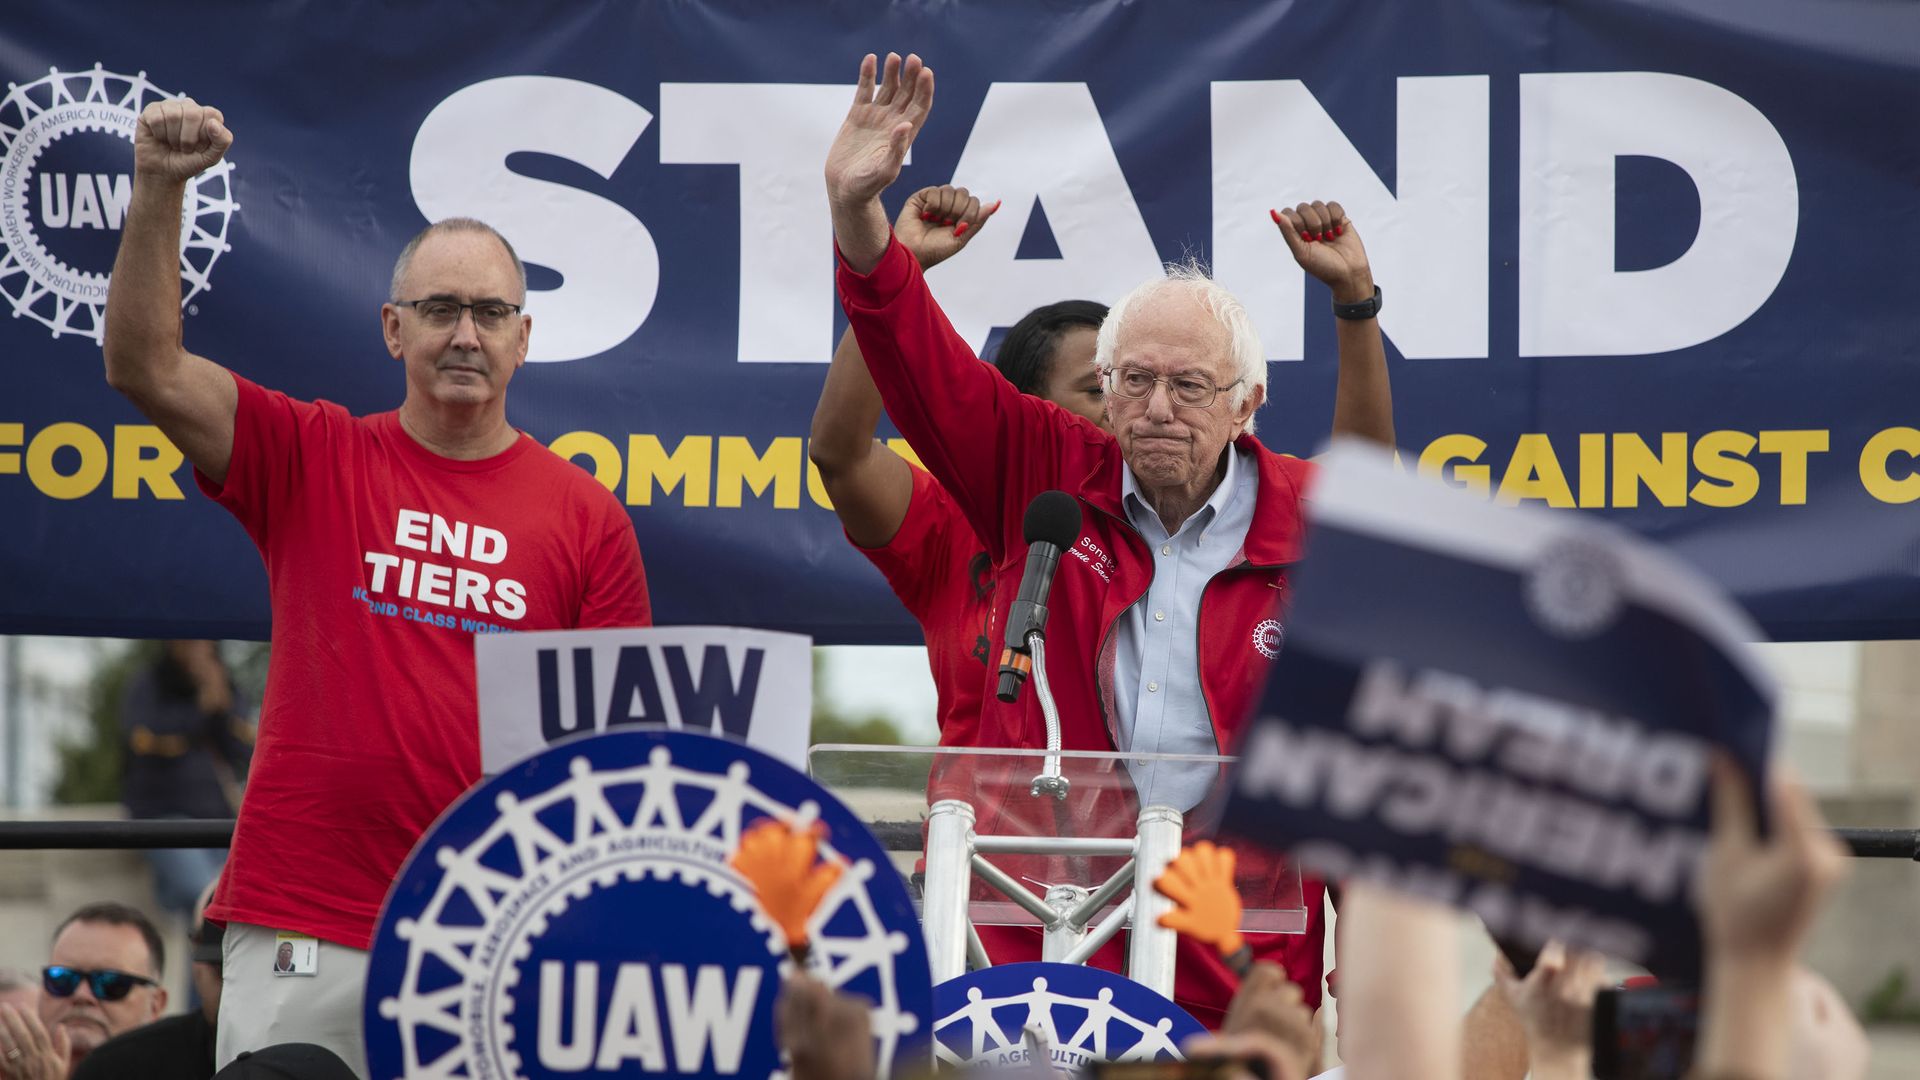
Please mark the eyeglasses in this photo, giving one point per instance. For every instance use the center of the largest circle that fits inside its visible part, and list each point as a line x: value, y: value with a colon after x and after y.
x: 443, y: 314
x: 1190, y: 391
x: 107, y: 984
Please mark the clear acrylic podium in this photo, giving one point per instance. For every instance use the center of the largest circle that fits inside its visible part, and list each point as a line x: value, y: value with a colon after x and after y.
x: 1051, y: 839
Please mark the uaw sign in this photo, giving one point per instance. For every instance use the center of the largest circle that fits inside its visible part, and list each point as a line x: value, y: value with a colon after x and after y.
x: 66, y: 177
x: 998, y: 1018
x: 538, y: 689
x: 577, y: 915
x: 1505, y: 710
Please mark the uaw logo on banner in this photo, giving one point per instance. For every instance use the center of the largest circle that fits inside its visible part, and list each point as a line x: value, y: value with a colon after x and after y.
x: 66, y: 177
x: 576, y: 915
x: 1077, y: 1016
x: 1503, y: 709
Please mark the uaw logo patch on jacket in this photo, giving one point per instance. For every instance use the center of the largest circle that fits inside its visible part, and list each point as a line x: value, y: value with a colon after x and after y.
x: 576, y: 915
x: 998, y: 1018
x: 66, y: 178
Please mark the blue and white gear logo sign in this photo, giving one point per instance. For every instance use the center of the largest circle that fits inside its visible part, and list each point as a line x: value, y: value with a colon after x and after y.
x: 576, y: 915
x: 66, y: 177
x: 1081, y: 1014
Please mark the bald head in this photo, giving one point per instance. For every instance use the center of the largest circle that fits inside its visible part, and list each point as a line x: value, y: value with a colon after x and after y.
x: 466, y: 228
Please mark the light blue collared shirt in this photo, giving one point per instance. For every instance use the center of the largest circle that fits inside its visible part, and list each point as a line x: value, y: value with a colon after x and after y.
x: 1157, y: 648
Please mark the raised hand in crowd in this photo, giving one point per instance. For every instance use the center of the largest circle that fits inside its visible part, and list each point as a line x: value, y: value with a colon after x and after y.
x: 28, y: 1051
x: 826, y: 1035
x: 887, y: 112
x: 1757, y: 898
x: 1554, y: 1002
x: 1270, y: 1005
x: 1399, y: 973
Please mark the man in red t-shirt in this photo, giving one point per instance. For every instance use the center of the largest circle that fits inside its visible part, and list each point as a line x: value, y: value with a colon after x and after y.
x: 389, y: 540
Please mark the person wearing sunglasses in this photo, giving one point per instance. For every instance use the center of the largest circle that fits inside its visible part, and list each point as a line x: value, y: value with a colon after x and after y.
x: 178, y: 1047
x: 102, y: 979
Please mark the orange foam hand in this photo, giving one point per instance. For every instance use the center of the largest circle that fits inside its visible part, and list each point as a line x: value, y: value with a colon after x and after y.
x: 1207, y: 906
x: 780, y: 863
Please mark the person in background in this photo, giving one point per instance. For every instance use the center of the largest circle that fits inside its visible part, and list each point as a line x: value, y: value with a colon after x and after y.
x: 102, y: 979
x: 178, y: 1047
x: 187, y: 746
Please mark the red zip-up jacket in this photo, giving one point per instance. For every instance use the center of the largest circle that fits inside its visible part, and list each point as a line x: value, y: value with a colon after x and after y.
x: 994, y: 449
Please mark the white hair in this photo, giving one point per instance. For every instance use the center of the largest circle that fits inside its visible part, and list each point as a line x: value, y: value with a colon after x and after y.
x: 1190, y: 276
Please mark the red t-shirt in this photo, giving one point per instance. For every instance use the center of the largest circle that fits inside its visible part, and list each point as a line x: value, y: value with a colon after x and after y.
x: 941, y: 573
x: 383, y: 560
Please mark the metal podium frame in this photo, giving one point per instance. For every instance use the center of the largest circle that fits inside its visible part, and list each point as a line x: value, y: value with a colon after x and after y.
x: 1070, y: 916
x: 955, y: 855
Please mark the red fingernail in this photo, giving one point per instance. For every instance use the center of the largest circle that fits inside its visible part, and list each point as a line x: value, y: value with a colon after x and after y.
x: 1326, y: 236
x: 1306, y: 238
x: 946, y: 221
x: 1275, y: 215
x: 1338, y: 231
x: 926, y: 217
x: 960, y: 229
x: 995, y: 206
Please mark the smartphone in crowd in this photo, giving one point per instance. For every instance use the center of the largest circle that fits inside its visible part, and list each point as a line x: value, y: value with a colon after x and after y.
x: 1645, y: 1033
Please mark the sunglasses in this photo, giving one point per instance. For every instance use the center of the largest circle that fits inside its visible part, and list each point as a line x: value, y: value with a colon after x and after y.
x: 108, y: 985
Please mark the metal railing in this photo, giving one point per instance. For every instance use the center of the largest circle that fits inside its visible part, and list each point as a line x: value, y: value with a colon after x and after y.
x: 894, y: 836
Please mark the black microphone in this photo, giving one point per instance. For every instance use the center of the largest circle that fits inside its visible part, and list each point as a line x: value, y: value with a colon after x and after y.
x: 1052, y: 525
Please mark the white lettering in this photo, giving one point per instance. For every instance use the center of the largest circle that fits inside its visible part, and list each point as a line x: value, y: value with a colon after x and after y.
x: 1043, y: 144
x: 606, y: 256
x: 1573, y: 126
x: 411, y: 530
x: 778, y: 134
x: 1428, y: 236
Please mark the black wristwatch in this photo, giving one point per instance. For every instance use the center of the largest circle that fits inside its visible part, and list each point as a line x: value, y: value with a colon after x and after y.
x: 1360, y: 312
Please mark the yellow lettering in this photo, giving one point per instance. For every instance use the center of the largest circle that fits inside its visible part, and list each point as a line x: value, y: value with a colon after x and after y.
x: 1593, y: 470
x: 1793, y: 448
x: 778, y: 468
x: 598, y: 448
x: 79, y: 482
x: 11, y: 435
x: 1446, y: 450
x: 690, y: 467
x: 1534, y: 473
x: 1875, y: 475
x: 1634, y: 464
x: 133, y: 467
x: 1722, y: 456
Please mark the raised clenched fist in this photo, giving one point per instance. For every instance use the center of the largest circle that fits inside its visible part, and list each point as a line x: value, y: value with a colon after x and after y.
x: 938, y: 221
x: 179, y: 139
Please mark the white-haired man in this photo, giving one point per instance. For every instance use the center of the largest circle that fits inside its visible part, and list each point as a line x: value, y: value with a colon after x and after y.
x: 1162, y: 627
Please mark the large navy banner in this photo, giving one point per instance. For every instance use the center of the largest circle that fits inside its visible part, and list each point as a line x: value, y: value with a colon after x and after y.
x: 1650, y: 259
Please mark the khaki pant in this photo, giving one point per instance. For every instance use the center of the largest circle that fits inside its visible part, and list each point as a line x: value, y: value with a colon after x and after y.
x: 259, y: 1009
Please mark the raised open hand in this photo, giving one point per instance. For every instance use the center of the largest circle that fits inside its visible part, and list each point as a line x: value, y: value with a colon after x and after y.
x: 872, y: 144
